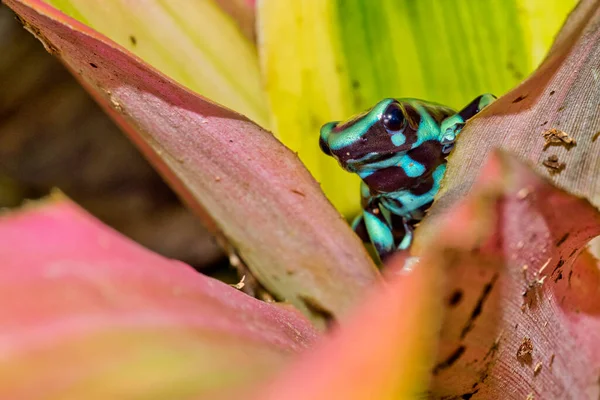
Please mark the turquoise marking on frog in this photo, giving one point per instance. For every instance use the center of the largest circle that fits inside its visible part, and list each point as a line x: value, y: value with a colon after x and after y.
x: 399, y: 149
x: 398, y: 139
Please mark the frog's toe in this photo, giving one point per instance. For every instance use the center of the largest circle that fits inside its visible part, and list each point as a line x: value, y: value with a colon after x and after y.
x: 485, y: 100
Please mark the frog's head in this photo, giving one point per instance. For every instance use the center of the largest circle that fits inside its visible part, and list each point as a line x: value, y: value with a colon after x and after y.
x: 378, y: 134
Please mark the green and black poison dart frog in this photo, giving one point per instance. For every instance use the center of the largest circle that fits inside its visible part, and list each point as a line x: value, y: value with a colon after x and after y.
x: 399, y: 149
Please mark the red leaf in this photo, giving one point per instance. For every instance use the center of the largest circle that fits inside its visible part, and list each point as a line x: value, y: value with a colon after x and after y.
x: 521, y: 302
x: 87, y: 314
x: 495, y: 342
x: 248, y: 186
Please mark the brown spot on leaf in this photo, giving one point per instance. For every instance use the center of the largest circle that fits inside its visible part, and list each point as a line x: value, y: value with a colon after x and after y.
x: 562, y: 240
x: 558, y: 137
x: 525, y: 350
x: 553, y: 165
x: 455, y: 298
x: 298, y: 192
x: 560, y: 263
x: 479, y: 306
x: 519, y: 99
x: 448, y: 362
x: 559, y: 277
x: 537, y: 369
x: 133, y: 40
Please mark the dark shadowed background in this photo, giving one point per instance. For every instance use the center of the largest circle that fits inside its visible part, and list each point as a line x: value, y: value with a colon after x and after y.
x: 53, y: 135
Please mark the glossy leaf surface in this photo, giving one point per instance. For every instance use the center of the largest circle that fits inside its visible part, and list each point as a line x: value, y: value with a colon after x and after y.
x: 251, y: 190
x: 327, y: 60
x: 86, y: 313
x: 205, y: 45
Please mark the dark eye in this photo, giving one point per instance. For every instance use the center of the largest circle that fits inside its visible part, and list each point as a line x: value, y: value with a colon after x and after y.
x: 393, y: 119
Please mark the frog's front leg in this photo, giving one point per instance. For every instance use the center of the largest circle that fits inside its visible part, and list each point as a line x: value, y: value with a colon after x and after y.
x: 379, y: 228
x: 358, y: 225
x: 451, y: 127
x: 387, y: 232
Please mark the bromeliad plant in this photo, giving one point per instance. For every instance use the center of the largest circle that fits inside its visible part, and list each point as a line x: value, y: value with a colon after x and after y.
x: 503, y: 301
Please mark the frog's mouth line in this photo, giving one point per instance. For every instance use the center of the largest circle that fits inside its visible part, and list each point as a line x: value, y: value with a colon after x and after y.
x: 371, y: 158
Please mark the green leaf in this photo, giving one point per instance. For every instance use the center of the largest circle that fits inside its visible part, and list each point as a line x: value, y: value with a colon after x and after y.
x: 559, y: 96
x: 326, y: 60
x: 196, y: 43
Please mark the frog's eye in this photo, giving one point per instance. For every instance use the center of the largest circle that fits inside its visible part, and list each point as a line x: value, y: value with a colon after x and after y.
x: 392, y: 118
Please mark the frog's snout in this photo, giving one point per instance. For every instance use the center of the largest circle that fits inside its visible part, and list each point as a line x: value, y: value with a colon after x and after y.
x: 324, y: 137
x: 324, y: 147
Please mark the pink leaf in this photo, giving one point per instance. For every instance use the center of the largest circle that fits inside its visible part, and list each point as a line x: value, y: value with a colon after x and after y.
x: 249, y: 188
x: 385, y: 350
x: 496, y: 342
x: 87, y: 313
x: 522, y: 296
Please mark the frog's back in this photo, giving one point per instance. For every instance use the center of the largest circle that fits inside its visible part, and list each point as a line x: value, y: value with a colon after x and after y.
x: 438, y: 112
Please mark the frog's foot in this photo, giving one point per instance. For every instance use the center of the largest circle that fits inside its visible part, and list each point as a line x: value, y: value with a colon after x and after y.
x: 379, y: 231
x: 452, y: 126
x: 404, y: 236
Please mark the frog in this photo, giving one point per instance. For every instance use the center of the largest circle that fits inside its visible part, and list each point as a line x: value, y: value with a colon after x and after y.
x: 399, y: 149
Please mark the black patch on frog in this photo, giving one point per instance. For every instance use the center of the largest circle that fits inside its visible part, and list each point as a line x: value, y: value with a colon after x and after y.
x: 361, y: 231
x: 471, y: 109
x: 388, y: 180
x: 426, y: 206
x: 399, y: 229
x: 419, y: 213
x: 324, y: 146
x: 414, y: 118
x: 428, y: 154
x: 424, y: 186
x: 396, y: 219
x: 439, y: 113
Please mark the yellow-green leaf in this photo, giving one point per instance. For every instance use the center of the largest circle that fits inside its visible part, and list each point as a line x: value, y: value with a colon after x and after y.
x: 327, y: 60
x: 195, y: 42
